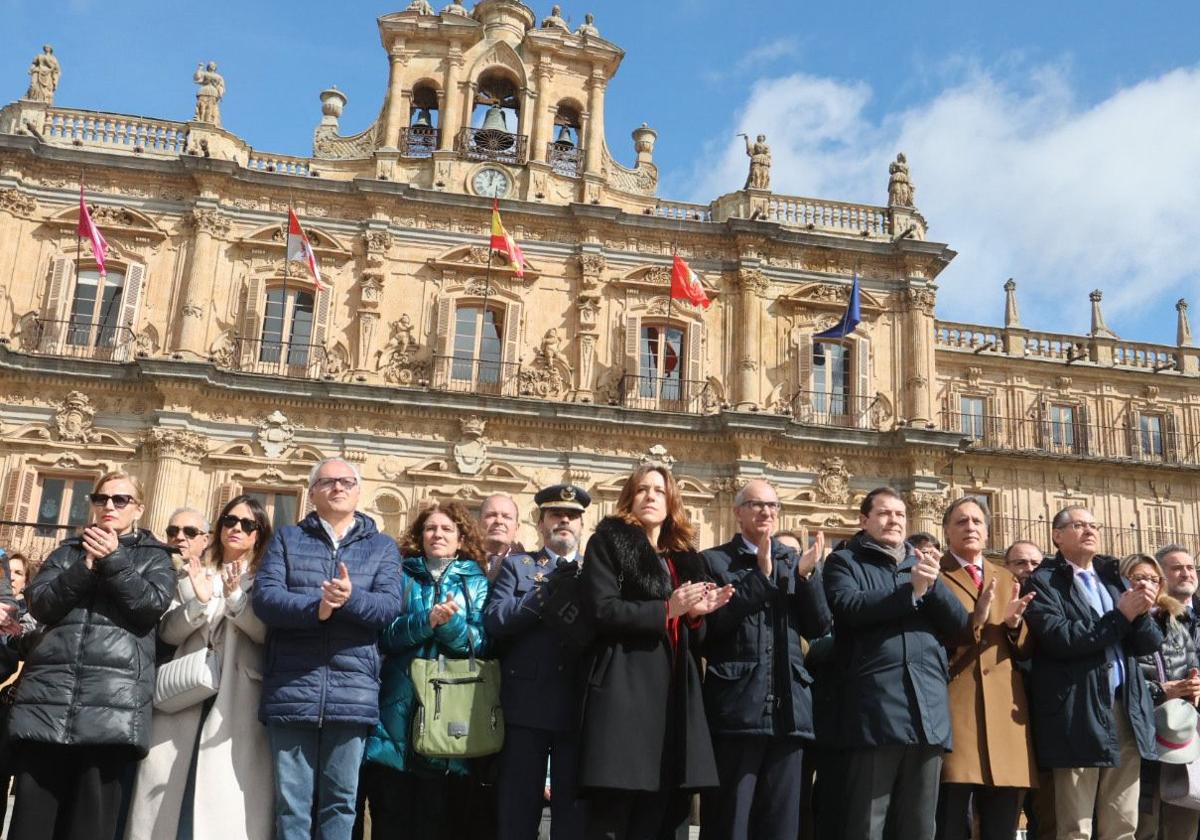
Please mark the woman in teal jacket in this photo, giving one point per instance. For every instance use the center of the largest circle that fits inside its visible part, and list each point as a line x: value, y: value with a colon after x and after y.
x: 444, y: 592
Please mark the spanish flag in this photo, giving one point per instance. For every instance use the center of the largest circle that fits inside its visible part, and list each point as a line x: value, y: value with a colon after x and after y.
x: 502, y: 242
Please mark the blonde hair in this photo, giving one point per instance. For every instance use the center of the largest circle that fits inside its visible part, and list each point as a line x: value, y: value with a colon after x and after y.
x: 1164, y: 602
x: 139, y: 494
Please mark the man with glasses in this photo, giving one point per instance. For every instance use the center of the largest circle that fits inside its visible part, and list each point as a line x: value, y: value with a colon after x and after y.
x: 756, y: 690
x: 1022, y: 559
x: 188, y: 531
x: 1093, y: 718
x: 540, y: 690
x: 325, y: 589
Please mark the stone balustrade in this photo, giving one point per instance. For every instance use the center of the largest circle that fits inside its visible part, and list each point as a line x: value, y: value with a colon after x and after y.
x: 683, y: 211
x: 279, y: 164
x: 115, y: 132
x: 832, y: 216
x: 965, y: 336
x: 1139, y: 355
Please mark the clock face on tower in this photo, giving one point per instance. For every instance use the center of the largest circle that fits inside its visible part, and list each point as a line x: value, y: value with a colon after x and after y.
x: 490, y: 182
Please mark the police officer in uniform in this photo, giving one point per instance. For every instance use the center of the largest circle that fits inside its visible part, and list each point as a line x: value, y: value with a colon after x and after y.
x: 540, y: 690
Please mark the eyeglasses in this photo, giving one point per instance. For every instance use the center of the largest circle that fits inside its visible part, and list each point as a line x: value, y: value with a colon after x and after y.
x: 249, y: 526
x: 759, y: 506
x: 119, y: 500
x: 188, y: 531
x: 346, y: 482
x: 1155, y: 579
x: 1079, y: 527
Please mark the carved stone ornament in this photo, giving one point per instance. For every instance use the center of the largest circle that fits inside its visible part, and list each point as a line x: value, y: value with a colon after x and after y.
x: 973, y: 375
x: 372, y: 290
x: 210, y: 222
x: 550, y: 372
x: 921, y: 299
x: 925, y: 504
x: 17, y: 202
x: 1151, y: 392
x: 658, y: 456
x: 593, y: 265
x: 74, y: 420
x: 753, y: 281
x: 833, y: 482
x: 401, y: 361
x: 275, y: 434
x: 470, y: 452
x: 181, y: 443
x: 223, y: 351
x: 378, y: 241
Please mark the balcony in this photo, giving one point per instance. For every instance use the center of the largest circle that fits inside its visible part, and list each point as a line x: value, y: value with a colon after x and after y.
x: 565, y: 159
x: 474, y: 375
x: 78, y: 339
x: 419, y: 141
x: 493, y: 145
x: 277, y: 358
x: 34, y: 540
x: 657, y: 393
x: 816, y: 408
x: 1078, y: 439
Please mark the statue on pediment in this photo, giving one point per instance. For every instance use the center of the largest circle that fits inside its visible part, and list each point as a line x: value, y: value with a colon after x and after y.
x: 44, y: 73
x: 208, y: 97
x: 760, y: 163
x: 589, y: 26
x: 900, y: 186
x: 555, y: 20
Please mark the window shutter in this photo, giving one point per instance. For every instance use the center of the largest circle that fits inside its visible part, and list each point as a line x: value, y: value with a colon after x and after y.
x: 1043, y: 422
x: 442, y: 336
x: 323, y: 321
x: 131, y: 301
x: 695, y: 354
x: 1133, y: 433
x: 1171, y: 447
x: 18, y: 501
x: 54, y: 313
x: 250, y: 337
x: 512, y: 333
x: 225, y: 493
x: 863, y: 397
x: 804, y: 386
x: 633, y: 338
x: 1083, y: 444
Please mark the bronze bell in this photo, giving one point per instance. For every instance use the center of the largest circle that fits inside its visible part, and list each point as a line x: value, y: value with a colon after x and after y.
x: 423, y: 120
x: 564, y: 138
x: 494, y: 120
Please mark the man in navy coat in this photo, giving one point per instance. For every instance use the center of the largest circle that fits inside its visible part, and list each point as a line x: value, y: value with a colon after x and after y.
x: 756, y: 688
x: 892, y: 619
x: 540, y: 689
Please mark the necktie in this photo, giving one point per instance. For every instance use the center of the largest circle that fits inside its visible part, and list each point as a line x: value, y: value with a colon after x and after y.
x: 976, y: 575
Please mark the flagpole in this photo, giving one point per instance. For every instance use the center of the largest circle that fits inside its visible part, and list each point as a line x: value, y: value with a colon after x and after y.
x: 487, y: 291
x: 78, y: 246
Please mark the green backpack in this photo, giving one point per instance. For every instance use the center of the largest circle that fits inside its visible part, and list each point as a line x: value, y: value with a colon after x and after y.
x: 458, y: 711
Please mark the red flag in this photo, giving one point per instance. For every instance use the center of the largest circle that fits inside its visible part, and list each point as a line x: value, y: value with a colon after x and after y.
x: 87, y: 227
x: 685, y: 284
x: 300, y: 249
x: 502, y: 242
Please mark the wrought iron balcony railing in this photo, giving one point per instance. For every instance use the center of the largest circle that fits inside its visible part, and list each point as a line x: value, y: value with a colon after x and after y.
x: 80, y: 339
x: 419, y: 141
x: 490, y: 144
x: 564, y: 159
x: 847, y: 411
x: 1075, y: 438
x: 475, y: 375
x: 667, y: 393
x: 278, y: 358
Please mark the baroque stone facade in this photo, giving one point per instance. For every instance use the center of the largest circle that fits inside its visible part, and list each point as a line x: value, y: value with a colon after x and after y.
x: 208, y: 363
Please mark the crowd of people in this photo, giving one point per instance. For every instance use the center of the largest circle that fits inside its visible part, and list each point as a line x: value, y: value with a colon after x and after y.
x: 241, y: 681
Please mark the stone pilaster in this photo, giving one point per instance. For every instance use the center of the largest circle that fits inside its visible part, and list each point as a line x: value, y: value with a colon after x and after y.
x: 209, y: 226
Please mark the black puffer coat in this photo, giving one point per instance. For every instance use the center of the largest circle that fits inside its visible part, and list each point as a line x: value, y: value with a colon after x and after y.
x: 90, y: 678
x: 644, y: 727
x: 1177, y: 656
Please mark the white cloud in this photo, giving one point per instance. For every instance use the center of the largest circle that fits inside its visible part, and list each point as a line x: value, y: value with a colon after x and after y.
x: 1016, y: 176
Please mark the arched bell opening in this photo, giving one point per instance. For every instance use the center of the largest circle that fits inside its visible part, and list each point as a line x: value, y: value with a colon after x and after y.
x: 495, y: 132
x: 424, y: 122
x: 564, y: 152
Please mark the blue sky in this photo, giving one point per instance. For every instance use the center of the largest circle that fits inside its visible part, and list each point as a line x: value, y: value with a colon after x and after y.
x: 1058, y: 143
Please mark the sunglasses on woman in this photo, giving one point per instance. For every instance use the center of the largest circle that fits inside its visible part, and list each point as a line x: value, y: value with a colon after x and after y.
x: 119, y: 500
x: 188, y: 531
x: 249, y: 526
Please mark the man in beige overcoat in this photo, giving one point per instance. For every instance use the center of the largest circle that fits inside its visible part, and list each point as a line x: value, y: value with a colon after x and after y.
x: 992, y: 761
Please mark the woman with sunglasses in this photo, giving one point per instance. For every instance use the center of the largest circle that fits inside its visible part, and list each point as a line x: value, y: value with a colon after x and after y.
x: 209, y: 764
x: 82, y: 711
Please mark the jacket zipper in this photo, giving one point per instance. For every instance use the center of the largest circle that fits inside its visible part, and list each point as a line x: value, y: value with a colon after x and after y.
x: 325, y: 652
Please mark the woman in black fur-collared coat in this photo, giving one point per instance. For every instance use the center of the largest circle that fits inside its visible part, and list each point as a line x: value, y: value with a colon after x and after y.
x: 645, y: 741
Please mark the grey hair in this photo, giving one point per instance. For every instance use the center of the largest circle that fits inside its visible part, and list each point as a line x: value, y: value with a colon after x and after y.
x: 740, y: 498
x: 1172, y: 548
x: 316, y: 470
x: 193, y: 511
x: 1064, y: 516
x: 962, y: 500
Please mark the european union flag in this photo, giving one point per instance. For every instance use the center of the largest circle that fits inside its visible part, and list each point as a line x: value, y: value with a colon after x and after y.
x: 851, y: 318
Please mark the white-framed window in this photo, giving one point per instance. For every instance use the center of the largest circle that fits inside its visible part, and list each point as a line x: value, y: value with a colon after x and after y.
x: 96, y: 309
x: 831, y: 378
x: 62, y: 500
x: 287, y: 326
x: 282, y: 506
x: 1151, y: 443
x: 973, y: 417
x: 661, y: 361
x: 478, y: 346
x: 1061, y: 426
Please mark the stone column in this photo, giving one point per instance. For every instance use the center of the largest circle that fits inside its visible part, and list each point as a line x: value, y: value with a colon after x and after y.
x: 751, y: 283
x: 925, y: 508
x: 541, y: 113
x: 592, y: 270
x: 174, y: 454
x: 208, y: 226
x: 450, y: 121
x: 394, y: 114
x: 918, y: 355
x: 594, y: 145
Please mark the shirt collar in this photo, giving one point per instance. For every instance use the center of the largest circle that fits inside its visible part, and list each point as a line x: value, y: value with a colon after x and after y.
x: 964, y: 563
x: 333, y: 535
x: 747, y: 545
x: 554, y: 558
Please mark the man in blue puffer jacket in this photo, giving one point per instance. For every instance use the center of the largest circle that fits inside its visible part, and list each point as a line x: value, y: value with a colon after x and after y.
x: 325, y: 589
